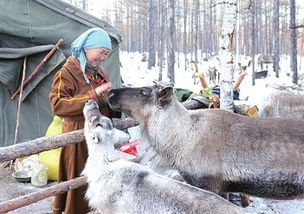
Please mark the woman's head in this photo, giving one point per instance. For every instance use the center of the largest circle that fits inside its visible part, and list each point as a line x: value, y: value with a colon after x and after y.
x: 92, y: 47
x: 95, y: 56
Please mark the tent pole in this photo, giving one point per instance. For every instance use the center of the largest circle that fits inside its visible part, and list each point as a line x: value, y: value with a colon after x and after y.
x: 51, y: 52
x: 19, y: 107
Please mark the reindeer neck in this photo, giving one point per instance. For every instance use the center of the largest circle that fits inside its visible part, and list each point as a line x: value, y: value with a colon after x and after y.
x: 102, y: 154
x: 167, y: 118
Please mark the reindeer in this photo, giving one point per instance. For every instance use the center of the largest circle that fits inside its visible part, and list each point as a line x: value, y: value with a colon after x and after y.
x: 218, y: 150
x: 282, y: 104
x: 119, y: 186
x: 264, y: 59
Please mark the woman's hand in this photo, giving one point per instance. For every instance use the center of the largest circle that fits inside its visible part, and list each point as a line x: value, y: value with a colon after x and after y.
x: 103, y: 89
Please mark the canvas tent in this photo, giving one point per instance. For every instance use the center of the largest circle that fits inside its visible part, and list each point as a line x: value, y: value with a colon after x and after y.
x: 31, y: 28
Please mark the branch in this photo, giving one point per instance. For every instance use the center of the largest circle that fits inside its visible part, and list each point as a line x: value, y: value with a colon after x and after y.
x: 296, y: 26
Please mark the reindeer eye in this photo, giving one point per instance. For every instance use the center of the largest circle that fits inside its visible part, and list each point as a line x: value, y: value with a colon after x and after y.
x: 94, y: 121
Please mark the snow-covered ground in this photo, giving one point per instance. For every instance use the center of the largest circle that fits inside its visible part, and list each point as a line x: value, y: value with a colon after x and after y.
x: 135, y: 73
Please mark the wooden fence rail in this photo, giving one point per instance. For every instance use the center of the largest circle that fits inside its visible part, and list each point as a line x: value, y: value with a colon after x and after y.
x: 33, y: 197
x: 46, y: 143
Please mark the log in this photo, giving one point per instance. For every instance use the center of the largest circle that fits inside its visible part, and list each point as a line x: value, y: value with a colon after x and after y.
x: 47, y: 143
x: 40, y: 144
x: 30, y: 198
x: 201, y: 102
x: 250, y: 111
x: 194, y: 103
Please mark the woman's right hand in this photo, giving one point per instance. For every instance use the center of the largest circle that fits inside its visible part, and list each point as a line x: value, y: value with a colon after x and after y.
x: 103, y: 89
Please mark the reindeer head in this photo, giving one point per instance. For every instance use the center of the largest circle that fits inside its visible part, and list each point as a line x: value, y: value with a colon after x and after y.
x: 140, y: 102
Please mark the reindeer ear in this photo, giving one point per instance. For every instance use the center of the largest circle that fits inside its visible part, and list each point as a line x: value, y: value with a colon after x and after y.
x: 164, y: 95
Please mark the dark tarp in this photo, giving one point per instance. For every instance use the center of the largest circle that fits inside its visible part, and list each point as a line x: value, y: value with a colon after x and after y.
x: 31, y: 28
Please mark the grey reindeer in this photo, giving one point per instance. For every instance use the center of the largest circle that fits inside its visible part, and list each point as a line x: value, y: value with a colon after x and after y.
x: 122, y: 187
x: 218, y: 150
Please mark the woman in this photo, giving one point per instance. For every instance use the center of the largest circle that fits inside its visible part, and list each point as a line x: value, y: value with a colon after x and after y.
x: 81, y: 78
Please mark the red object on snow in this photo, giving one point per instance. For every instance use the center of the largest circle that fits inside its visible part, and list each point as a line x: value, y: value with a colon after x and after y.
x: 130, y: 147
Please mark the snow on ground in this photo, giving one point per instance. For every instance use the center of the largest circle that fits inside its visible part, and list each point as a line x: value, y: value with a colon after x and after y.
x: 135, y: 73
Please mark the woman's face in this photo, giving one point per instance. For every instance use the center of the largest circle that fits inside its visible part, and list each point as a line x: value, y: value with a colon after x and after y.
x: 95, y: 56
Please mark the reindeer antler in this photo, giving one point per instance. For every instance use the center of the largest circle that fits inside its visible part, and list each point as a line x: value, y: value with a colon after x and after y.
x: 161, y: 84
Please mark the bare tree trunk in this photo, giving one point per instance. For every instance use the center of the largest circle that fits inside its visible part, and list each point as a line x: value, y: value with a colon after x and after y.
x: 152, y: 32
x: 162, y: 38
x: 276, y: 38
x: 128, y: 29
x: 258, y: 25
x: 210, y: 41
x: 253, y: 38
x: 85, y: 4
x: 178, y: 34
x: 191, y: 37
x: 171, y: 41
x: 271, y: 29
x: 196, y: 10
x: 205, y: 43
x: 185, y: 31
x: 267, y: 51
x: 225, y: 52
x: 293, y: 36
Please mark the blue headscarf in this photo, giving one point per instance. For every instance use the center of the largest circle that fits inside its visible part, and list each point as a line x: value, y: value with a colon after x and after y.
x: 92, y: 38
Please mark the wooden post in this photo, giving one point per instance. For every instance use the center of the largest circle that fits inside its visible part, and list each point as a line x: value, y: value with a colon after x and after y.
x: 52, y: 51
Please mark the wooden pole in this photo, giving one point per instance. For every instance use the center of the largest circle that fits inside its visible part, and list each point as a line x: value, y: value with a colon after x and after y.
x: 51, y: 52
x: 30, y: 198
x: 39, y: 145
x: 19, y: 107
x: 47, y: 143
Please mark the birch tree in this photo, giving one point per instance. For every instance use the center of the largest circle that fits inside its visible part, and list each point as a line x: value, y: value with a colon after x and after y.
x: 225, y: 53
x: 171, y: 41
